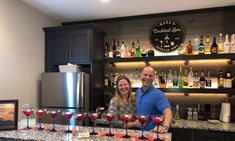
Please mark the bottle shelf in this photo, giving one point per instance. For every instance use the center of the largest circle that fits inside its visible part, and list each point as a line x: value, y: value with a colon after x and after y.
x: 230, y: 91
x: 230, y: 56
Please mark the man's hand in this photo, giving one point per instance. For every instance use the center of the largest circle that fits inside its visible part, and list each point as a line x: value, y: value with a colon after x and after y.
x: 135, y: 124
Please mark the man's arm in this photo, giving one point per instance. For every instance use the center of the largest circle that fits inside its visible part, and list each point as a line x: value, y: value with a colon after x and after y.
x: 168, y: 116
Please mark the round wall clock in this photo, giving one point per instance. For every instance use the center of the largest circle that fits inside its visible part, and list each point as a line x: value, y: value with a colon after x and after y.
x: 167, y: 35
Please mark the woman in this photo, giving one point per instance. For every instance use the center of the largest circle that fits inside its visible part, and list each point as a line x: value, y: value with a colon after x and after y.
x: 123, y: 102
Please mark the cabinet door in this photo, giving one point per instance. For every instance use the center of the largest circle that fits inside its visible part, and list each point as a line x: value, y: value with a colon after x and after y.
x: 229, y: 136
x: 181, y: 134
x: 203, y: 135
x: 80, y: 42
x: 57, y: 47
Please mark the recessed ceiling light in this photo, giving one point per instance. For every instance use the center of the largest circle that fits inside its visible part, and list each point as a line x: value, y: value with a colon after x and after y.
x: 104, y: 0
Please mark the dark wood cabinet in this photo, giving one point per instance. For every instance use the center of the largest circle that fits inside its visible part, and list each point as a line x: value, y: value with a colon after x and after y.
x: 179, y: 134
x: 200, y: 135
x: 82, y: 45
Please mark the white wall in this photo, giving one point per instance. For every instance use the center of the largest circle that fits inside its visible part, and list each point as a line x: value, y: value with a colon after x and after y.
x: 21, y: 50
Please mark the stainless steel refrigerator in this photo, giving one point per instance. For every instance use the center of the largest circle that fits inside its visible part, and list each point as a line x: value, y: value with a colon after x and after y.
x: 64, y: 91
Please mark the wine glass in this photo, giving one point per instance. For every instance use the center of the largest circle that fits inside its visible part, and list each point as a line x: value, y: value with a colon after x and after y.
x: 93, y: 116
x: 68, y: 115
x: 126, y: 118
x: 157, y: 120
x: 110, y: 118
x: 28, y: 110
x: 80, y: 117
x: 40, y: 113
x: 142, y: 119
x: 53, y: 114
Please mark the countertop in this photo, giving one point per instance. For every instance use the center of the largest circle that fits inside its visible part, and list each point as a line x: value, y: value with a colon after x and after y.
x: 60, y: 135
x: 204, y: 125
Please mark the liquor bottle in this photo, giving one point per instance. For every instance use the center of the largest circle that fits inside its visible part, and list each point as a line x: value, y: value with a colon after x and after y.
x: 127, y: 50
x: 180, y: 78
x: 228, y: 80
x: 185, y: 79
x: 190, y: 114
x: 190, y: 48
x: 106, y: 50
x: 202, y: 80
x: 226, y: 44
x: 156, y: 80
x: 175, y: 80
x: 106, y: 81
x: 177, y: 114
x: 137, y: 49
x: 150, y: 52
x: 136, y: 78
x: 181, y: 50
x: 221, y: 79
x: 214, y: 47
x: 190, y: 77
x: 110, y: 51
x: 196, y: 80
x: 118, y: 50
x: 201, y: 46
x: 162, y: 80
x: 169, y: 83
x: 112, y: 78
x: 196, y: 44
x: 221, y: 44
x: 114, y: 48
x: 195, y: 114
x: 122, y: 50
x: 208, y: 79
x: 133, y: 49
x: 232, y: 44
x: 208, y: 46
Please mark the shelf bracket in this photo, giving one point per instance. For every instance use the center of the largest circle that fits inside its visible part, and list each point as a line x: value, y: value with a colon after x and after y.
x: 147, y: 63
x: 186, y: 94
x: 113, y: 65
x: 230, y: 61
x: 186, y: 62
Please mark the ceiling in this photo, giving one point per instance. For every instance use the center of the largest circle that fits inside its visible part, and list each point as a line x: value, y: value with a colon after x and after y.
x: 82, y: 10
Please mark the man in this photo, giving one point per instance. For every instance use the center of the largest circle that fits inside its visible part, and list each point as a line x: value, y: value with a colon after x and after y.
x: 151, y: 101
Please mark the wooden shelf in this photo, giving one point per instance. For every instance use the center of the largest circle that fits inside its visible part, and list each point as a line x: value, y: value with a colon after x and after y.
x: 230, y: 56
x: 195, y: 90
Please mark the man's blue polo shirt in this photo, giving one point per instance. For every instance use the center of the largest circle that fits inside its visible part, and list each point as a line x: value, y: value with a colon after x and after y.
x: 151, y: 102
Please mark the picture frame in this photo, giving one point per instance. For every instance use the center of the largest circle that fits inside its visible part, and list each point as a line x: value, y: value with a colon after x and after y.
x: 8, y: 115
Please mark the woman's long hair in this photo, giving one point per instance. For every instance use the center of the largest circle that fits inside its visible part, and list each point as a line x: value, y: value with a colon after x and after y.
x: 131, y: 97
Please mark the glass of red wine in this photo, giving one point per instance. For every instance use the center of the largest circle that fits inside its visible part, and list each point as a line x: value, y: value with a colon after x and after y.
x: 126, y: 118
x: 68, y: 115
x: 110, y: 117
x: 93, y: 117
x: 53, y: 114
x: 142, y: 119
x: 79, y: 117
x: 28, y: 110
x: 40, y: 113
x: 158, y: 121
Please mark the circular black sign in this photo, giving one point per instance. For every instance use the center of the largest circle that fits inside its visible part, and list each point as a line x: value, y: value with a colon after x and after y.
x: 167, y: 35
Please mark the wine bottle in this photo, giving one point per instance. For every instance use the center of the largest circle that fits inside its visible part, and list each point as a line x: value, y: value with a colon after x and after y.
x: 221, y: 79
x: 214, y: 47
x: 232, y: 44
x: 202, y: 80
x: 196, y: 44
x: 190, y: 48
x: 137, y: 49
x: 185, y: 79
x: 201, y: 46
x: 114, y: 48
x: 208, y: 79
x: 226, y: 44
x: 118, y: 50
x: 122, y: 50
x: 208, y: 46
x: 180, y: 79
x: 221, y: 44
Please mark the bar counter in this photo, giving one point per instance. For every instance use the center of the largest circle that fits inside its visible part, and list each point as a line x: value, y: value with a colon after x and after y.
x: 60, y: 135
x: 204, y: 125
